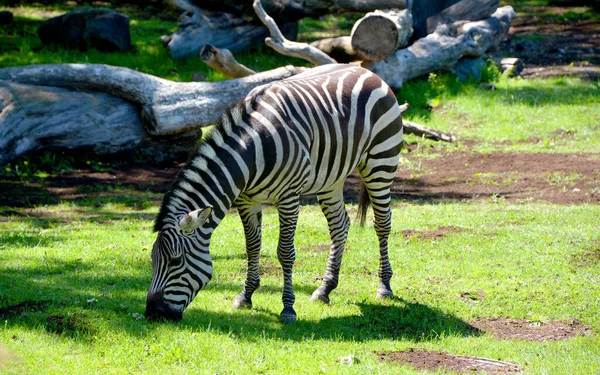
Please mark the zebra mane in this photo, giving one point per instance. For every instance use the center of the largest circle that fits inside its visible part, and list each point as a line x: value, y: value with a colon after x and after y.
x: 220, y: 130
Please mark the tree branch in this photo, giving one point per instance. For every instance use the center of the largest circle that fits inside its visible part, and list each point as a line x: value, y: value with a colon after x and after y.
x: 223, y: 61
x: 280, y: 44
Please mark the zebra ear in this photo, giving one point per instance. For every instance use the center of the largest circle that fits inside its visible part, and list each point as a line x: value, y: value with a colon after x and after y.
x: 194, y: 219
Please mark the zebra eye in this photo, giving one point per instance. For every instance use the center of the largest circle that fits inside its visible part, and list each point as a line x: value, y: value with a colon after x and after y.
x: 175, y: 261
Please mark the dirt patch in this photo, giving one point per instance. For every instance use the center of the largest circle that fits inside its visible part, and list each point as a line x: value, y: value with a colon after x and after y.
x: 554, y: 41
x: 430, y: 234
x: 520, y: 329
x: 454, y: 176
x: 23, y: 308
x: 556, y: 178
x: 436, y: 361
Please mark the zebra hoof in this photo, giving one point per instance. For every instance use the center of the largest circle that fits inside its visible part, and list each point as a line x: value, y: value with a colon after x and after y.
x: 288, y: 316
x: 384, y: 292
x: 319, y: 295
x: 241, y: 303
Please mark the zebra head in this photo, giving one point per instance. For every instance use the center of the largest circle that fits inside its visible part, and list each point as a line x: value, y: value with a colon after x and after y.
x: 181, y: 266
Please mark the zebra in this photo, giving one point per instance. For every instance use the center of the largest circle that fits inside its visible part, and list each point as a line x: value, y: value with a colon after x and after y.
x: 301, y: 135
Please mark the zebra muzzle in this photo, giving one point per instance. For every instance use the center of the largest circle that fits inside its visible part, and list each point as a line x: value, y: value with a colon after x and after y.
x: 157, y: 309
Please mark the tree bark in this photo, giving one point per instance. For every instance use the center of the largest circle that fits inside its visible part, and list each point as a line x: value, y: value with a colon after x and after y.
x: 443, y: 48
x: 167, y: 107
x: 380, y: 33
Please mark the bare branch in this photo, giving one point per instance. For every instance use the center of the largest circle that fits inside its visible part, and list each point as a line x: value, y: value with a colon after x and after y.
x: 420, y: 130
x: 286, y: 47
x: 223, y: 61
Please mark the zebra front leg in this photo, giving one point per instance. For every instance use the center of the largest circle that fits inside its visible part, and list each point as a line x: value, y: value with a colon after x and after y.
x: 251, y: 216
x: 332, y: 205
x: 288, y: 218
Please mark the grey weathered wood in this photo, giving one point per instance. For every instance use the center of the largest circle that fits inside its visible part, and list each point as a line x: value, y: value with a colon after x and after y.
x: 380, y: 33
x: 167, y: 107
x: 223, y: 61
x: 443, y: 48
x: 286, y: 47
x: 338, y: 48
x: 464, y: 10
x: 233, y: 24
x: 34, y: 118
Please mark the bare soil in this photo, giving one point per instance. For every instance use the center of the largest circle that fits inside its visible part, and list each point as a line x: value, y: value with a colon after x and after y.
x: 552, y: 41
x: 519, y: 329
x: 435, y: 361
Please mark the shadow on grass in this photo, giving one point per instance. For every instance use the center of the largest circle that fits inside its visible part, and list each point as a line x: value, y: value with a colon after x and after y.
x: 66, y: 295
x: 377, y: 320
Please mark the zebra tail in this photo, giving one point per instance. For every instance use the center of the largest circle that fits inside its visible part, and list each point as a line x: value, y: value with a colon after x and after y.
x: 363, y: 205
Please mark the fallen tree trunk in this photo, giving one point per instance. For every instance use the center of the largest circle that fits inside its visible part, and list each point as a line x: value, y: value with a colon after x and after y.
x: 167, y: 107
x: 442, y: 49
x: 464, y: 10
x: 233, y: 24
x: 34, y: 118
x: 380, y: 33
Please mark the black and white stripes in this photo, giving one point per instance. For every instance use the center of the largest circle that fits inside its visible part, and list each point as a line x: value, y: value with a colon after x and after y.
x: 303, y: 135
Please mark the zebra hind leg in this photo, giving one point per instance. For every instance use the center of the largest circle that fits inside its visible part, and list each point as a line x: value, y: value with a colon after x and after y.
x: 332, y: 205
x: 379, y: 194
x: 288, y: 218
x: 251, y: 216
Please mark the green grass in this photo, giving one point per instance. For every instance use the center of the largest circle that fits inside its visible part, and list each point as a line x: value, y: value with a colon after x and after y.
x: 534, y: 115
x: 92, y: 266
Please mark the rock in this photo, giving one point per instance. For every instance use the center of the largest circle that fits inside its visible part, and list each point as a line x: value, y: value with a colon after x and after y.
x: 469, y: 69
x: 103, y: 29
x: 6, y: 17
x: 511, y: 66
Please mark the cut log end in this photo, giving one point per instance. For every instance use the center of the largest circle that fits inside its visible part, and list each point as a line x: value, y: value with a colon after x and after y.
x: 375, y: 38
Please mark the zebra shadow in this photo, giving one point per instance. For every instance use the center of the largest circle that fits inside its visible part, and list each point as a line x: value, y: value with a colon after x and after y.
x: 394, y: 319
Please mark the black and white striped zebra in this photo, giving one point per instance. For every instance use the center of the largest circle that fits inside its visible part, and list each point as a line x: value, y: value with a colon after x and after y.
x: 302, y: 135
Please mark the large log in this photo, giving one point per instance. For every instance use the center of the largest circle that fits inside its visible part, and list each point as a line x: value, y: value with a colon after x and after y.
x: 443, y: 48
x: 380, y: 33
x: 233, y: 24
x: 153, y: 109
x: 34, y: 118
x: 464, y: 10
x: 167, y: 107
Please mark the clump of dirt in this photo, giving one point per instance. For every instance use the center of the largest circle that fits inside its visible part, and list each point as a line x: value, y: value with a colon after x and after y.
x: 521, y: 329
x: 435, y: 361
x: 68, y: 324
x: 23, y: 308
x: 430, y: 234
x: 472, y: 297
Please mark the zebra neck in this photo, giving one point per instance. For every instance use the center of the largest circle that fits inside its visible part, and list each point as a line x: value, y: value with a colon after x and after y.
x: 209, y: 180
